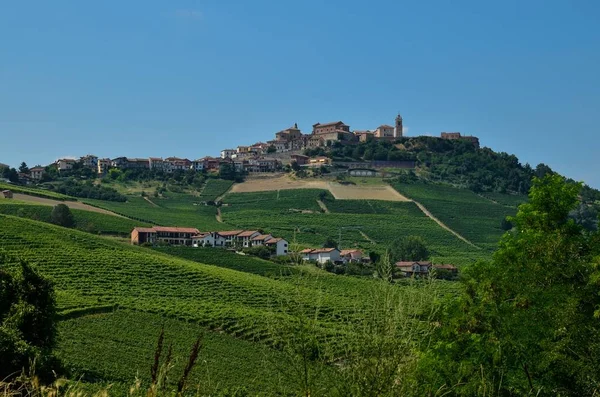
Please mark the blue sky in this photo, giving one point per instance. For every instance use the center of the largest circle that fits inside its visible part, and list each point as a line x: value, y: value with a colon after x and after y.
x: 188, y: 78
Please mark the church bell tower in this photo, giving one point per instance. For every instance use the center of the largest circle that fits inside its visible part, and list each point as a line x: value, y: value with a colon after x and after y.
x: 398, y: 126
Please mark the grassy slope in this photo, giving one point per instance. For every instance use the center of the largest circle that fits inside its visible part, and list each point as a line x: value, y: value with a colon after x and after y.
x: 381, y: 221
x: 477, y: 219
x: 87, y: 221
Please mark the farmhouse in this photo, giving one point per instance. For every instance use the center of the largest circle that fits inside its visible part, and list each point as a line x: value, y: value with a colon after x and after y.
x: 89, y: 161
x: 65, y: 164
x: 418, y: 268
x: 169, y: 235
x: 193, y: 237
x: 456, y: 135
x: 353, y: 256
x: 36, y: 173
x: 321, y: 255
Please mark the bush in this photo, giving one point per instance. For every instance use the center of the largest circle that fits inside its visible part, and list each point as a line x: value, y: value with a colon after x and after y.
x: 61, y: 215
x: 27, y: 320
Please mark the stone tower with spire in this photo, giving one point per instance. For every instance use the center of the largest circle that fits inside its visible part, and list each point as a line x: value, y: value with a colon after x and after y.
x: 398, y: 126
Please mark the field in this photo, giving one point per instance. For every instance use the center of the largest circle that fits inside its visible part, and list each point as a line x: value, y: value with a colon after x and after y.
x: 87, y: 221
x: 359, y: 222
x: 475, y: 218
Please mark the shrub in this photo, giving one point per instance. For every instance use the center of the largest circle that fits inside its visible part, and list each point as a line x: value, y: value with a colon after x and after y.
x: 61, y: 215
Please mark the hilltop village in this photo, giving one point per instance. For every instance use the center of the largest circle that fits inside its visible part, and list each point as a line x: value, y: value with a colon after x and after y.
x: 287, y: 147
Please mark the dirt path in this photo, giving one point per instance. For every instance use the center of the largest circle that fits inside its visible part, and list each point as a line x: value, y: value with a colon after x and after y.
x: 218, y: 215
x: 369, y: 239
x: 152, y: 203
x: 323, y: 206
x: 71, y: 204
x: 442, y: 224
x: 220, y: 198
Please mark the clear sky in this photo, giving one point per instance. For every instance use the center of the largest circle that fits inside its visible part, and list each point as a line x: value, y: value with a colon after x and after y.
x: 189, y: 78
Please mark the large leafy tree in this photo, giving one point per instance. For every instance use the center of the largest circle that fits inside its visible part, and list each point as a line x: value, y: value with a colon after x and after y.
x: 409, y: 248
x: 27, y: 319
x: 528, y: 322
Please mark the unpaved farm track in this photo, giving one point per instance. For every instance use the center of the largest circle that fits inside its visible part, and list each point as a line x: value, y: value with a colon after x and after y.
x: 71, y: 204
x: 442, y: 224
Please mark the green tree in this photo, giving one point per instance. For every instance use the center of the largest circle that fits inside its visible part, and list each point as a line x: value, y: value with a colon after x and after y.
x: 61, y: 215
x: 330, y: 243
x: 24, y: 168
x: 27, y: 319
x: 271, y: 149
x: 527, y: 322
x: 409, y: 248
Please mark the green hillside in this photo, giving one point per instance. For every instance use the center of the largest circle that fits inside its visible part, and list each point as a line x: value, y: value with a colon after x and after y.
x: 476, y: 218
x: 86, y: 221
x: 367, y: 224
x: 94, y: 273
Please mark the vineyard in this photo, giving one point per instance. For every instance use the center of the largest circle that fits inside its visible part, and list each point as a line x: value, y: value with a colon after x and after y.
x: 381, y: 221
x: 87, y: 221
x: 35, y: 192
x: 92, y: 271
x: 214, y: 188
x: 226, y: 259
x: 175, y: 209
x: 277, y: 200
x: 225, y: 361
x: 477, y: 219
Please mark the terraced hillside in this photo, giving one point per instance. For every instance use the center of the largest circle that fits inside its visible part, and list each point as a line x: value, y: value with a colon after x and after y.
x: 477, y: 218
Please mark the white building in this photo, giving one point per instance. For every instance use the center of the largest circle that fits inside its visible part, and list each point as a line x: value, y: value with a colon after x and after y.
x: 227, y: 153
x: 198, y: 165
x: 36, y: 173
x: 261, y: 239
x: 89, y: 161
x: 321, y: 255
x: 280, y: 245
x: 65, y: 164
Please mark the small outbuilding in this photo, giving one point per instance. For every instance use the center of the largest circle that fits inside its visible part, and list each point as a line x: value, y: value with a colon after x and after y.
x: 7, y: 194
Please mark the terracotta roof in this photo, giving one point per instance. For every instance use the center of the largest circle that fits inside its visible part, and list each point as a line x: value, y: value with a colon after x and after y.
x: 176, y: 229
x: 346, y: 252
x: 228, y: 233
x: 323, y: 250
x: 385, y: 126
x: 37, y: 169
x: 306, y: 251
x: 201, y: 235
x: 261, y: 237
x: 445, y: 267
x: 299, y: 156
x: 273, y: 240
x: 144, y: 229
x: 328, y: 124
x: 155, y: 158
x: 247, y: 233
x: 410, y: 263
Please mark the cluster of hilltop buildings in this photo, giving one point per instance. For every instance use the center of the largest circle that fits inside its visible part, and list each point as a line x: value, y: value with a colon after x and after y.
x: 324, y: 135
x: 255, y: 158
x: 169, y: 164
